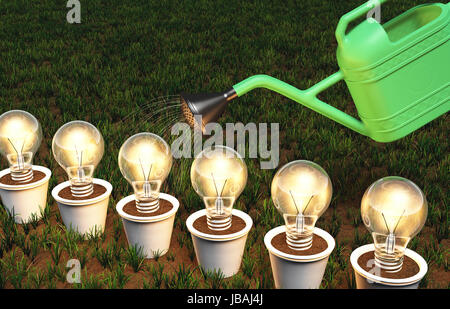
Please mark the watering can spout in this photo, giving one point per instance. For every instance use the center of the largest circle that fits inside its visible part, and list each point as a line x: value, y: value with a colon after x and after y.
x: 210, y: 106
x: 307, y: 97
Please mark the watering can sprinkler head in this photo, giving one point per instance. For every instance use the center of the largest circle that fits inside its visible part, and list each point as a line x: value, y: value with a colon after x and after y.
x: 209, y: 106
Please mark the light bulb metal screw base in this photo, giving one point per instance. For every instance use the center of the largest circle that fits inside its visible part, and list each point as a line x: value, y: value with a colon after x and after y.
x: 147, y: 205
x: 390, y: 265
x: 82, y: 189
x: 24, y: 175
x: 218, y: 223
x: 299, y: 243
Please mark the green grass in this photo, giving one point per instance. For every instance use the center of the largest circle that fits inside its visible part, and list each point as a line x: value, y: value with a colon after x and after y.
x: 135, y: 257
x: 122, y: 56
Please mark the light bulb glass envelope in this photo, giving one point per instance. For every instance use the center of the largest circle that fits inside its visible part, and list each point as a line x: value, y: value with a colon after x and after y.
x: 218, y: 175
x: 145, y: 161
x: 301, y: 192
x: 20, y: 137
x: 78, y: 147
x: 394, y: 210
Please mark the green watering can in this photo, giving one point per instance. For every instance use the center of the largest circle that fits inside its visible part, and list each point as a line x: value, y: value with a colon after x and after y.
x: 397, y: 74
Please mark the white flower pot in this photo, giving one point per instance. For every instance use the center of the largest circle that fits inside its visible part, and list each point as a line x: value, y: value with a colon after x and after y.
x: 153, y: 234
x: 296, y: 271
x: 28, y: 199
x: 219, y: 252
x: 84, y: 216
x: 367, y: 280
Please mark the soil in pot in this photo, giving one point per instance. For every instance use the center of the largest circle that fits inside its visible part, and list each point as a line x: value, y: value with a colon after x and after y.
x: 66, y: 193
x: 7, y: 179
x: 237, y: 225
x: 318, y: 245
x: 131, y: 209
x: 409, y: 268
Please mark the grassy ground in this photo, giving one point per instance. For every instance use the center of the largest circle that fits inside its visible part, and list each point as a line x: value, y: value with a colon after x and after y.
x: 123, y: 55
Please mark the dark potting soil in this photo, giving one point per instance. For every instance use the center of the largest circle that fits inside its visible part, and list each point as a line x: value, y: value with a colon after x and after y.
x: 7, y: 179
x: 318, y: 245
x: 164, y: 206
x: 66, y: 193
x: 237, y: 224
x: 409, y: 268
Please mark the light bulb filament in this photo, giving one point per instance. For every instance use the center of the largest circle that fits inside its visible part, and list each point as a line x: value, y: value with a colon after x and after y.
x: 147, y: 187
x: 304, y: 209
x: 143, y: 171
x: 390, y: 239
x: 80, y: 172
x: 300, y: 219
x: 296, y: 207
x: 295, y: 204
x: 79, y: 156
x: 390, y: 243
x: 385, y: 222
x: 396, y: 225
x: 219, y: 201
x: 398, y: 221
x: 300, y: 223
x: 13, y: 145
x: 23, y: 145
x: 20, y: 159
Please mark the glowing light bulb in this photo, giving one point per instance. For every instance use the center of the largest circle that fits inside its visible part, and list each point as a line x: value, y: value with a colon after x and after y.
x: 20, y: 137
x: 301, y: 192
x: 219, y: 175
x: 145, y: 161
x: 78, y: 148
x: 394, y: 210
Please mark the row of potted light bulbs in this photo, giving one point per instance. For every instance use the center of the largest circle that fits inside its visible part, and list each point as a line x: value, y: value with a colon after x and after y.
x: 394, y: 209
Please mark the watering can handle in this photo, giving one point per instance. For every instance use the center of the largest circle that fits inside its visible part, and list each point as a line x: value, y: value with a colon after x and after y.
x: 351, y: 16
